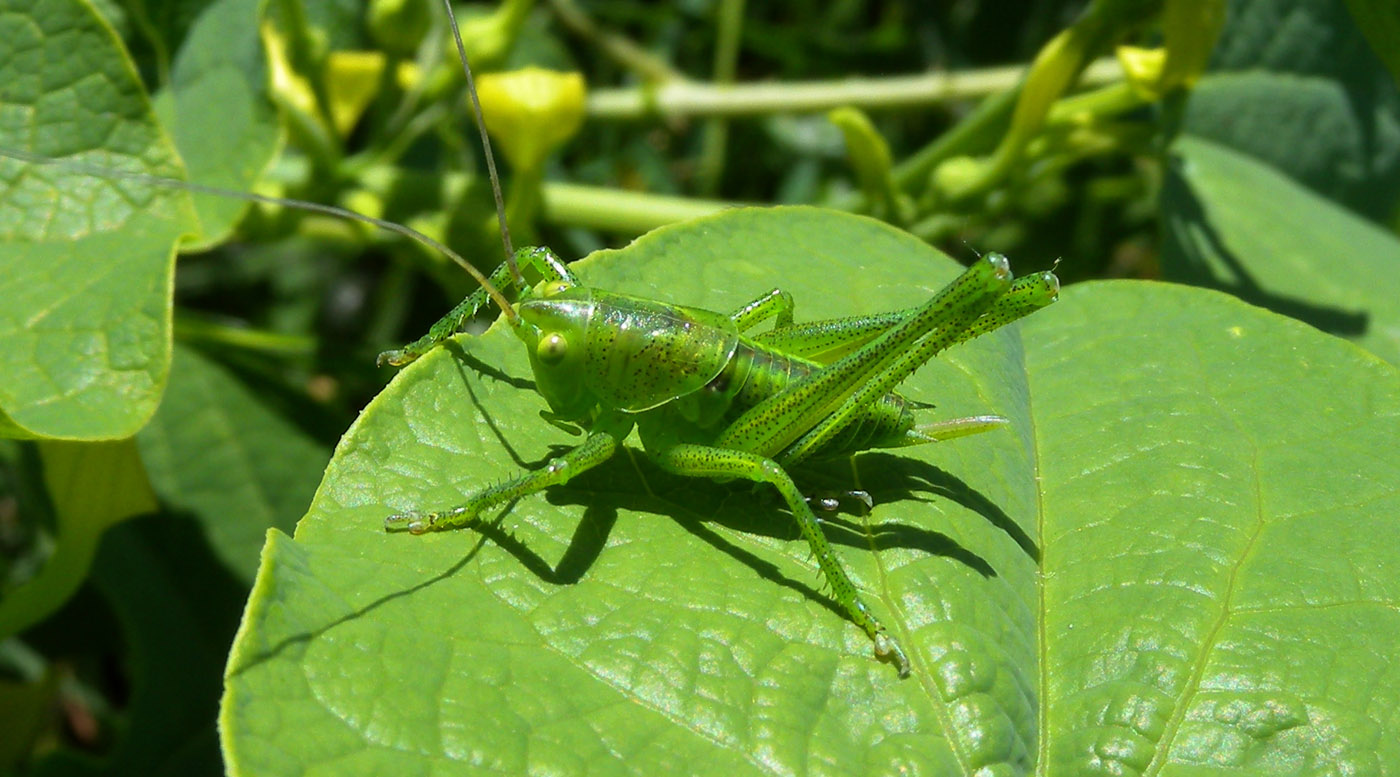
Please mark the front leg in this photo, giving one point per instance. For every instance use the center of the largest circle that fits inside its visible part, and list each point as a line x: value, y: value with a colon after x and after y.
x: 707, y: 461
x: 598, y: 448
x: 534, y: 261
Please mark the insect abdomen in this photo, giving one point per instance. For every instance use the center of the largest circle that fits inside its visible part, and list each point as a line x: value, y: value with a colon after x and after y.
x: 757, y: 372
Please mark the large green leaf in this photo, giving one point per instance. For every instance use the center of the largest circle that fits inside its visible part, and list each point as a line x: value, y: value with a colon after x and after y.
x: 217, y: 111
x: 1239, y: 225
x: 85, y: 262
x: 1147, y: 572
x: 86, y: 249
x: 1380, y: 21
x: 1219, y: 492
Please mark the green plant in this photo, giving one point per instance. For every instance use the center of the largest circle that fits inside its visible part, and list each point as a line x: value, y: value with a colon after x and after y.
x: 1177, y: 560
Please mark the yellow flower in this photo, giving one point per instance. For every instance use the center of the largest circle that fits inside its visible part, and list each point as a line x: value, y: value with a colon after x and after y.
x: 529, y: 112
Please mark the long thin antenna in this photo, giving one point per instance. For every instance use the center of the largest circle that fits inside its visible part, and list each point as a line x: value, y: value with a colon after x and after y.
x: 486, y: 145
x: 314, y: 207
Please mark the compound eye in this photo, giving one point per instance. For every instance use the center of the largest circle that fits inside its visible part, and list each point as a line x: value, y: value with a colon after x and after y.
x: 554, y: 288
x: 552, y: 348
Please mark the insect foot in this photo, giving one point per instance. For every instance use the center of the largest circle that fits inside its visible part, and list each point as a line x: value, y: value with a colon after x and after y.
x: 887, y: 647
x: 423, y: 522
x: 413, y: 523
x: 396, y: 358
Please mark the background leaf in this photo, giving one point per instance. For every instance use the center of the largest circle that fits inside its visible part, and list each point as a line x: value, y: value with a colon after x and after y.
x: 87, y: 343
x: 1380, y: 21
x: 87, y: 259
x: 1290, y: 145
x: 1200, y: 542
x: 92, y: 486
x: 1239, y: 225
x: 177, y: 608
x: 217, y: 111
x: 166, y: 591
x: 1218, y: 503
x: 1294, y: 84
x: 221, y: 451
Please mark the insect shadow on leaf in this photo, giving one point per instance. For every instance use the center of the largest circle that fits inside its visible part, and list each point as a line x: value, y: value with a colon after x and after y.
x: 248, y: 662
x: 904, y: 477
x: 1189, y: 217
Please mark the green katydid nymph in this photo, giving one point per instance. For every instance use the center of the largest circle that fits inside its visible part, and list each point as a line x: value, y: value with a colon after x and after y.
x: 710, y: 400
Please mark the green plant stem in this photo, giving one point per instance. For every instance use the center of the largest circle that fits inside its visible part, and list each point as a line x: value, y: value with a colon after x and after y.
x: 978, y: 131
x: 564, y: 204
x: 677, y: 100
x: 140, y: 19
x: 715, y: 137
x: 621, y: 49
x: 618, y: 211
x: 52, y: 586
x: 1107, y: 101
x: 1053, y: 71
x: 93, y: 486
x: 523, y: 203
x: 193, y: 327
x: 403, y: 139
x: 975, y: 133
x: 407, y: 114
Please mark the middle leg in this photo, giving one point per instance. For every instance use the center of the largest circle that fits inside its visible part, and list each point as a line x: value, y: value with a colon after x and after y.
x: 707, y: 461
x: 598, y: 448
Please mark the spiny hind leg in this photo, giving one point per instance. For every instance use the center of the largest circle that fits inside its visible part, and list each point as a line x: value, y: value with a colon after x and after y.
x: 985, y: 290
x: 776, y: 304
x: 707, y: 461
x: 820, y: 341
x: 795, y: 422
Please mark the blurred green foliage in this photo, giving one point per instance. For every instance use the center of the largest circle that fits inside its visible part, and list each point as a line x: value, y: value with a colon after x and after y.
x: 1251, y: 146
